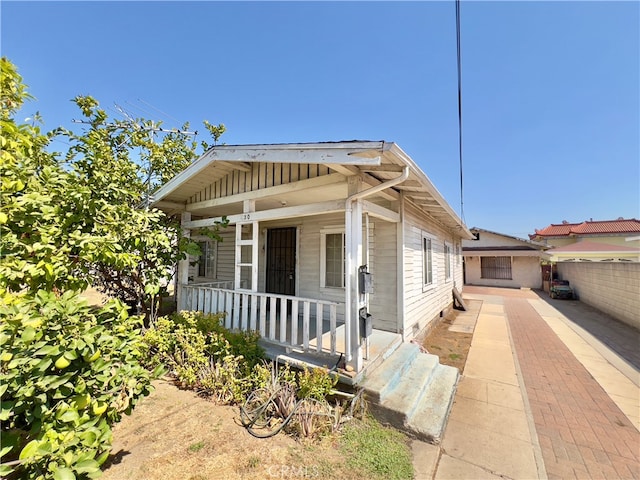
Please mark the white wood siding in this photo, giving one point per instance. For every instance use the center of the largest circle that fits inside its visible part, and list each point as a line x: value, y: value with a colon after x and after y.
x: 225, y: 257
x: 424, y: 304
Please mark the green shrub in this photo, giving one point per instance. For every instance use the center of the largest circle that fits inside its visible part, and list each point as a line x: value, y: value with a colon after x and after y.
x: 67, y: 373
x: 205, y: 356
x: 316, y: 383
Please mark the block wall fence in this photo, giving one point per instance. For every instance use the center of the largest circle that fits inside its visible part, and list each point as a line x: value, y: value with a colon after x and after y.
x: 612, y: 287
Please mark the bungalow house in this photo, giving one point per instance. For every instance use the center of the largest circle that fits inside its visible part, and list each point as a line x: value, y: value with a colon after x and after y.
x: 340, y: 251
x: 499, y: 260
x: 592, y: 241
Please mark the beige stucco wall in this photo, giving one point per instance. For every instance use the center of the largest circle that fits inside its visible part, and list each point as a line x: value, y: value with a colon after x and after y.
x: 611, y: 287
x: 619, y: 240
x: 525, y: 271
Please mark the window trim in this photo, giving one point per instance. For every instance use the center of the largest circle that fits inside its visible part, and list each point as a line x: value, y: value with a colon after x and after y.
x: 448, y: 264
x: 211, y: 247
x: 323, y: 256
x: 431, y: 239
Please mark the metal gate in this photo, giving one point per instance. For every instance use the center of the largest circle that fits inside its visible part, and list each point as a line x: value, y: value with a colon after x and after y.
x: 281, y: 261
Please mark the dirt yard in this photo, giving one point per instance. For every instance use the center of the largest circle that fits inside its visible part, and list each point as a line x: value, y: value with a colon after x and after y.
x: 451, y: 347
x: 174, y: 433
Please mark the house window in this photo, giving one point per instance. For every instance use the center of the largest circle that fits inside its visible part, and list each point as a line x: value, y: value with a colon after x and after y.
x: 207, y: 259
x: 498, y: 268
x: 427, y: 261
x: 332, y: 258
x: 447, y: 261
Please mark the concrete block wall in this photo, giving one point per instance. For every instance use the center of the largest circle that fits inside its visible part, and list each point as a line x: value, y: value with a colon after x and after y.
x: 612, y: 287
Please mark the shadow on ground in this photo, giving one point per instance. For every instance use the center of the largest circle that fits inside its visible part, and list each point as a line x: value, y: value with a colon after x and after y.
x: 623, y: 339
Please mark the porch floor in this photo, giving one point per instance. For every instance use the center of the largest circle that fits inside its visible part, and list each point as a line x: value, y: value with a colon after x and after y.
x: 381, y: 345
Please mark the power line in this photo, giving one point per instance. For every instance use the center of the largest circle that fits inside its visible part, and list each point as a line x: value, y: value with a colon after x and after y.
x: 459, y: 65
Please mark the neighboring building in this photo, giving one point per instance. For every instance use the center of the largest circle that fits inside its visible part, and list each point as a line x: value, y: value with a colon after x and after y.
x: 499, y: 260
x: 592, y: 241
x: 331, y: 232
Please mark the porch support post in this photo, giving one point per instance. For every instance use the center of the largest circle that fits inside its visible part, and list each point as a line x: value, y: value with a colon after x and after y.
x: 183, y: 265
x: 353, y: 253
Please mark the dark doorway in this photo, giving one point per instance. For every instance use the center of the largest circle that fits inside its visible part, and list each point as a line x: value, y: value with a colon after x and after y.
x: 281, y: 261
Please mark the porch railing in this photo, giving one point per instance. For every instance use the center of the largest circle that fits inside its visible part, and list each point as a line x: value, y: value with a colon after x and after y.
x: 305, y: 323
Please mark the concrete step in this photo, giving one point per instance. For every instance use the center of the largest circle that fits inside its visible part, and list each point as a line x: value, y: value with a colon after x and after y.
x: 379, y: 383
x: 401, y: 402
x: 430, y: 416
x: 413, y: 392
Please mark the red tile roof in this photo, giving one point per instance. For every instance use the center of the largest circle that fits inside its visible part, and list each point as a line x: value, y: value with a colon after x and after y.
x: 589, y: 227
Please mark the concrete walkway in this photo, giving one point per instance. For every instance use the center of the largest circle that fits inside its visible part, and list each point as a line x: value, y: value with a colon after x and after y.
x: 540, y: 397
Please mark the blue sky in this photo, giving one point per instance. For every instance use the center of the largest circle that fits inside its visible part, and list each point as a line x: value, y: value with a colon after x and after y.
x: 551, y: 100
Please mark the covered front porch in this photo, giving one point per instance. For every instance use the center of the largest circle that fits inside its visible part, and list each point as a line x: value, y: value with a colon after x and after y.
x: 296, y: 330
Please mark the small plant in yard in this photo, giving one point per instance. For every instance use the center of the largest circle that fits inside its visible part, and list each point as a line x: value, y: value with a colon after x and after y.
x: 316, y: 383
x: 294, y: 402
x: 196, y: 447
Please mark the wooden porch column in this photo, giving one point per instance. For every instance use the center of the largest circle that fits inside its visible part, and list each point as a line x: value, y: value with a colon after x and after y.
x: 353, y: 254
x: 183, y: 265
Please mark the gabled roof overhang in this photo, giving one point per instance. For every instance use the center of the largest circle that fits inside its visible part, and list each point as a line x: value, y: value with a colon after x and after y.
x: 379, y: 160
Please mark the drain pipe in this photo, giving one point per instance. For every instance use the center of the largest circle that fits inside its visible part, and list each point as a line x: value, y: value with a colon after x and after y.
x: 348, y: 207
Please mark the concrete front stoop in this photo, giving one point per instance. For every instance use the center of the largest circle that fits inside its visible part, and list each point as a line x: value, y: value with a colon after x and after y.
x: 413, y: 392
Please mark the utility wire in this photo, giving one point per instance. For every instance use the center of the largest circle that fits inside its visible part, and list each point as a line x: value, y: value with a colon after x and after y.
x: 459, y: 64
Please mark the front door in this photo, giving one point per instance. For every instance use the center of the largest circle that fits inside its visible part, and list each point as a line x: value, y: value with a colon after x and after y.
x: 281, y: 261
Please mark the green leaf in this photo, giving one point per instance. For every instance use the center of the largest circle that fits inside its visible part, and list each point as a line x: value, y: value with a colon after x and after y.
x: 69, y: 416
x: 52, y: 350
x: 5, y: 450
x: 29, y: 450
x: 64, y: 474
x: 103, y: 457
x: 6, y: 410
x: 87, y: 466
x: 28, y: 335
x: 5, y: 470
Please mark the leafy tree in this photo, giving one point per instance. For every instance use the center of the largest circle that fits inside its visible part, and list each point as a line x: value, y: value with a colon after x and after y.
x: 67, y: 370
x: 78, y: 219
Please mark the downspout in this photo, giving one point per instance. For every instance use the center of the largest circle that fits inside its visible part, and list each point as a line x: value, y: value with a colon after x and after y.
x: 349, y: 267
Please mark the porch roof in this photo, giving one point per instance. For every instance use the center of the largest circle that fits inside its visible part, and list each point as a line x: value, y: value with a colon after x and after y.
x: 377, y: 160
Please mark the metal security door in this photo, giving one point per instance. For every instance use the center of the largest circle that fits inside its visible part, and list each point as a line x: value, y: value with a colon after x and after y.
x: 281, y: 261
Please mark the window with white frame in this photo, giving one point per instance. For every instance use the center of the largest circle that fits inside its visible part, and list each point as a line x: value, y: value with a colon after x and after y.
x: 447, y: 261
x: 332, y: 258
x: 207, y: 259
x: 495, y: 268
x: 427, y: 261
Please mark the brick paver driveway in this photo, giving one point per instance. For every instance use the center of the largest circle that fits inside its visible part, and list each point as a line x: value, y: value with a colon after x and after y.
x: 582, y: 432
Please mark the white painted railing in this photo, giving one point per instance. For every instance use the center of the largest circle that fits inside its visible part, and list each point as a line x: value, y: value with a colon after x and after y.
x: 225, y: 284
x: 294, y: 321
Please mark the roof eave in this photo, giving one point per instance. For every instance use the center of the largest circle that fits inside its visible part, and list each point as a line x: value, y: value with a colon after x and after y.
x: 463, y: 230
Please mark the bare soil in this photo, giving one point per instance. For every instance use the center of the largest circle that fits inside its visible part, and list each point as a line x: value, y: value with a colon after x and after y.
x: 175, y: 434
x: 451, y: 347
